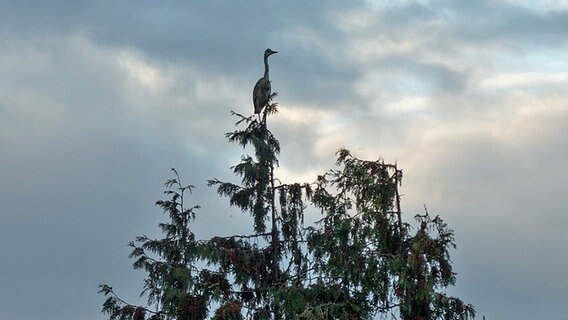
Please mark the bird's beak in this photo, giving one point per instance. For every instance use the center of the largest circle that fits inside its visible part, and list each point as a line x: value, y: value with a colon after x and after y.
x: 273, y: 52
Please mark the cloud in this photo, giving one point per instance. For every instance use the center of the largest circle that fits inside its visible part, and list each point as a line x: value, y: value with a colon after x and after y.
x: 88, y: 134
x: 526, y: 80
x: 99, y: 99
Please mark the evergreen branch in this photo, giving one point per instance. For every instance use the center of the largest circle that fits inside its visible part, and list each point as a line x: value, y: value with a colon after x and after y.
x: 239, y: 236
x: 108, y: 290
x: 243, y: 118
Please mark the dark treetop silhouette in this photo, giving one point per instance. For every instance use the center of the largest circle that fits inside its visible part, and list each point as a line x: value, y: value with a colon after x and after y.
x: 359, y: 261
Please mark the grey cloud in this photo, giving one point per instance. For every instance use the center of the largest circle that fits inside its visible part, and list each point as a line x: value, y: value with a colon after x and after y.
x: 504, y: 24
x: 213, y: 37
x: 212, y: 33
x: 80, y: 174
x: 85, y: 149
x: 512, y: 196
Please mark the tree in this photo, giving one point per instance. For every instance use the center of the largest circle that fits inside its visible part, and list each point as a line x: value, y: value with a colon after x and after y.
x: 360, y: 261
x: 366, y: 258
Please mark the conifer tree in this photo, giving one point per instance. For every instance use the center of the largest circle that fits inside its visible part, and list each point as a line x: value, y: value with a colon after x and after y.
x: 366, y: 261
x: 359, y: 261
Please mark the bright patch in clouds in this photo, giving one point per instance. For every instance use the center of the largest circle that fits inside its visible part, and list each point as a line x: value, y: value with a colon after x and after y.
x: 516, y: 80
x: 148, y: 77
x: 541, y: 5
x: 405, y: 105
x: 291, y: 115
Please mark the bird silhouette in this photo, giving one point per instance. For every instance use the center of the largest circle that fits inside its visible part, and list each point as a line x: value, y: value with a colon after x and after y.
x: 261, y: 91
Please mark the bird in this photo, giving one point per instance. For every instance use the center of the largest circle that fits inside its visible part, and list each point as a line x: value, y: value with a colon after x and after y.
x: 261, y: 91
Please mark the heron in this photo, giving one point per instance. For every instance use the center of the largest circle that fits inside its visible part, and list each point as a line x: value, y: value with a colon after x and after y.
x: 261, y: 91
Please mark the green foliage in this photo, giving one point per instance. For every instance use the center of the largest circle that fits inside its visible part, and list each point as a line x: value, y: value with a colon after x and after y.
x: 172, y: 284
x: 365, y: 249
x: 359, y: 261
x: 231, y: 310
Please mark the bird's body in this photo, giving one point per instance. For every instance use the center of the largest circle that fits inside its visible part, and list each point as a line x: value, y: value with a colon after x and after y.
x: 261, y: 94
x: 262, y: 90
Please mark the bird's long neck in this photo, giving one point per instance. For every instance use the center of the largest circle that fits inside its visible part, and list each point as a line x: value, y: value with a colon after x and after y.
x: 266, y: 67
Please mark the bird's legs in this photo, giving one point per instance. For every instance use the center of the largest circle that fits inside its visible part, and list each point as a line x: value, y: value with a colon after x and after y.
x: 264, y: 116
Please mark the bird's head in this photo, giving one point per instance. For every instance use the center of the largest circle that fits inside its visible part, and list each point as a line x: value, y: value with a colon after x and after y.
x: 269, y: 52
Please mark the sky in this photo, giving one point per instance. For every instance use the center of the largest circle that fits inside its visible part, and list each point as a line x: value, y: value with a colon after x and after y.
x: 99, y: 99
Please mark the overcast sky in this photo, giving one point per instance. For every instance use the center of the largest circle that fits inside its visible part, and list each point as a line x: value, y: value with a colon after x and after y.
x: 98, y: 99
